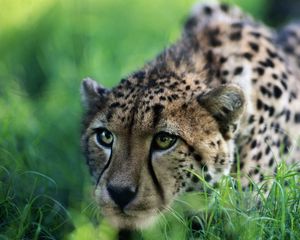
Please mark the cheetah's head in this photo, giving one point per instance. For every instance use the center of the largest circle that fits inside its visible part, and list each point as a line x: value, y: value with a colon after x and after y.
x: 145, y: 139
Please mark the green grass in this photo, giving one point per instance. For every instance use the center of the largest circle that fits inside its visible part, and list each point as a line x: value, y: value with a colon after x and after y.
x: 229, y: 213
x: 46, y: 48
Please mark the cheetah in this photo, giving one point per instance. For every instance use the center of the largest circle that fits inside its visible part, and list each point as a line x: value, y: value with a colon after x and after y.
x: 228, y: 87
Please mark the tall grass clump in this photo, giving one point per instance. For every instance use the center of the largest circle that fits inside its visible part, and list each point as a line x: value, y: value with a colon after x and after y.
x: 36, y: 216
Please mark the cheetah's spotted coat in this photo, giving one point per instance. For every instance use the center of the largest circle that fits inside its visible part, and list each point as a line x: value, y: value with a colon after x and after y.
x: 229, y: 86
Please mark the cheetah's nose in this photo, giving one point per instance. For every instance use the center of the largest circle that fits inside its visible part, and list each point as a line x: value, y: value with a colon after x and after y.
x: 121, y: 195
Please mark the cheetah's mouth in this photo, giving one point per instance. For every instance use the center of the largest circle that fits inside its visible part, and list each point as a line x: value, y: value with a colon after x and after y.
x: 131, y: 219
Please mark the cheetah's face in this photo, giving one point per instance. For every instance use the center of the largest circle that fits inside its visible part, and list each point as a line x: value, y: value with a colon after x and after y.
x: 143, y: 152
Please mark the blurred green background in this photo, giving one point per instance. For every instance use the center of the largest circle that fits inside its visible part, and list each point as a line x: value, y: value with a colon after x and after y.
x: 46, y: 48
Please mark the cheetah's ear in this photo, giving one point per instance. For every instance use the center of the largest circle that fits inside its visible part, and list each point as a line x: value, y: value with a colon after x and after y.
x: 226, y: 104
x: 92, y: 92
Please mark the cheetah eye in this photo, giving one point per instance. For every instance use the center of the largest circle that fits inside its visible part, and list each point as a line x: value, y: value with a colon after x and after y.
x: 163, y: 141
x: 104, y: 137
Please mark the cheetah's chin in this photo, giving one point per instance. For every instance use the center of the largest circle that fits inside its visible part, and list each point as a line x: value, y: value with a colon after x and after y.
x: 123, y: 221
